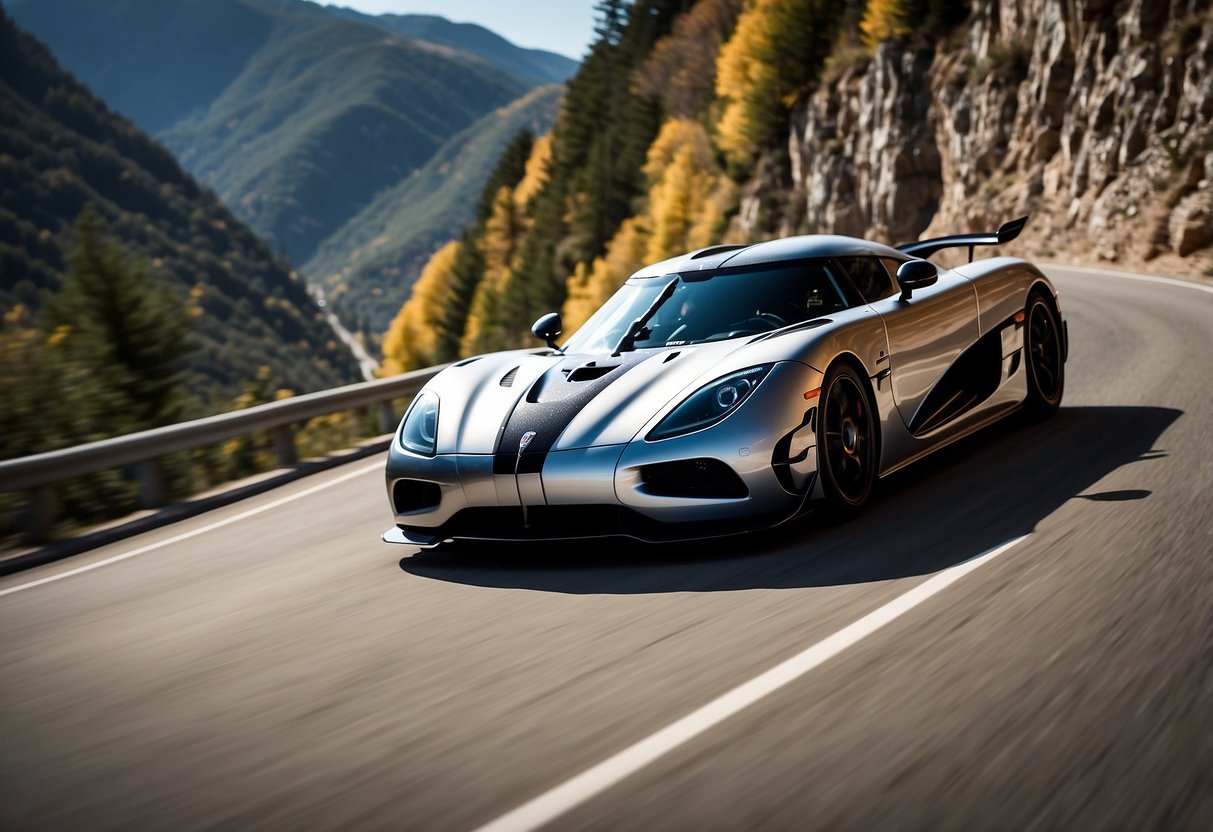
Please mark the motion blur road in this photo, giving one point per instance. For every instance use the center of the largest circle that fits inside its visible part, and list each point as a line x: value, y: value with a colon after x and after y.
x: 282, y: 668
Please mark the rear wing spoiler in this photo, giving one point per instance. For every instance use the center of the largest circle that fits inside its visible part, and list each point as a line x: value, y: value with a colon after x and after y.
x: 925, y: 248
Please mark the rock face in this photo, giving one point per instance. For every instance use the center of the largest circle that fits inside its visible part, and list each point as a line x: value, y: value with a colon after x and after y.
x: 1096, y: 116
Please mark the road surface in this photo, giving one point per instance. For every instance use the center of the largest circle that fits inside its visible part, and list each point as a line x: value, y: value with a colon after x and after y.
x: 273, y: 665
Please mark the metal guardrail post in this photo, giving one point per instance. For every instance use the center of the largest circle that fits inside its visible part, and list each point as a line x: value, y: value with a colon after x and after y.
x: 284, y: 444
x: 387, y: 417
x: 152, y: 490
x: 40, y: 513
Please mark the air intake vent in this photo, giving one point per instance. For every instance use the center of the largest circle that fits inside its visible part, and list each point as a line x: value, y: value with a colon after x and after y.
x: 703, y: 478
x: 591, y: 371
x: 409, y: 496
x: 507, y: 380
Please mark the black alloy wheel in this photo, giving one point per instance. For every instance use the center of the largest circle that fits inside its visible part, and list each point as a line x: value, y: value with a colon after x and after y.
x: 846, y: 442
x: 1043, y: 356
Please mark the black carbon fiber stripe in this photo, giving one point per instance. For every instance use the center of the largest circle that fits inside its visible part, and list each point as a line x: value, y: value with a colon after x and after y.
x: 548, y: 408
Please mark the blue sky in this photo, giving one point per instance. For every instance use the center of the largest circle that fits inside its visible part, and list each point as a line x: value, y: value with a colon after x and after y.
x: 564, y: 26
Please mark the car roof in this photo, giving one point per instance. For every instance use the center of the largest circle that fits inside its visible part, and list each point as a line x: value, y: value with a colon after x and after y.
x: 773, y: 251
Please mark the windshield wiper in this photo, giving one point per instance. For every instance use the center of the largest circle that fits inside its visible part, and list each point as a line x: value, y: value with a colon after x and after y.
x: 628, y: 342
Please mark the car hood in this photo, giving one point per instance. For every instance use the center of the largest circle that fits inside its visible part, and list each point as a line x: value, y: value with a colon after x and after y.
x: 489, y: 403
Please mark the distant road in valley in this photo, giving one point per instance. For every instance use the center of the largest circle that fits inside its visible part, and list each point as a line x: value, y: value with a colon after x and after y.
x: 272, y: 664
x: 366, y: 364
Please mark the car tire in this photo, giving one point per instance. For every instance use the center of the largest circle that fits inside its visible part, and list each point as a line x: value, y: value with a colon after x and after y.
x: 847, y: 447
x: 1043, y: 357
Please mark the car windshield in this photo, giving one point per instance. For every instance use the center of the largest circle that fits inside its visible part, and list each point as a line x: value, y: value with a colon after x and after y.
x: 725, y: 305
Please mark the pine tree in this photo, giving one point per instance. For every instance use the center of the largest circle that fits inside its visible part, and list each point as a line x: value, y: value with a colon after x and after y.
x: 128, y: 330
x: 467, y: 272
x: 509, y: 170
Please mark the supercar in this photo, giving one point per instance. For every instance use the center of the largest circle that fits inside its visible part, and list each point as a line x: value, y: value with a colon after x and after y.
x: 729, y: 389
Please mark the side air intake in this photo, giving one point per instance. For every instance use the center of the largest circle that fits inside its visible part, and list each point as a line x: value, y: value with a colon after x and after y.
x: 704, y: 478
x: 410, y: 496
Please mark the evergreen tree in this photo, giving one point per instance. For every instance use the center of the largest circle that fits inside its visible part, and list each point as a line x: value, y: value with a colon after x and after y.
x: 467, y: 272
x: 509, y: 170
x: 126, y: 329
x: 608, y: 25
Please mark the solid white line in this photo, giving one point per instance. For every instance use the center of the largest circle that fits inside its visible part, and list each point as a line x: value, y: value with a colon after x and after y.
x: 244, y: 515
x: 594, y: 781
x: 1168, y: 281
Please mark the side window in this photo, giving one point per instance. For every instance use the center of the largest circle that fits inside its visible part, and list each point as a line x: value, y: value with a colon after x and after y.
x: 870, y: 277
x: 843, y: 289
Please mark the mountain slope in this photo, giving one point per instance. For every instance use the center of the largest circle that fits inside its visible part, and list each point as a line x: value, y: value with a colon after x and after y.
x: 61, y: 149
x: 153, y: 61
x: 324, y: 117
x: 532, y: 66
x: 295, y: 115
x: 370, y: 263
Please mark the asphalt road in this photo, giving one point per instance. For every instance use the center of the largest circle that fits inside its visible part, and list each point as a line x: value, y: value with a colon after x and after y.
x: 273, y: 665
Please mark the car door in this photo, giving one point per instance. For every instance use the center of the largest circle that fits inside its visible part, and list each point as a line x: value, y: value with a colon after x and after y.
x: 926, y: 333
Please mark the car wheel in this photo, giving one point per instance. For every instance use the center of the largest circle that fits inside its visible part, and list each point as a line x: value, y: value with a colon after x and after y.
x: 846, y: 442
x: 1043, y: 356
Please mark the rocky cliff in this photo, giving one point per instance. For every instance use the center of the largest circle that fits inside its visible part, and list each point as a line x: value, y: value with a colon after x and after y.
x: 1095, y: 116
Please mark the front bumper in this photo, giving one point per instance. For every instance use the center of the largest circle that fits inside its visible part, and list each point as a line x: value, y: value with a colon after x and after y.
x: 768, y: 445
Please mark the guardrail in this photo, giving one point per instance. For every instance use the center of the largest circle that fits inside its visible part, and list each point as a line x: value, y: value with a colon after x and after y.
x: 36, y: 474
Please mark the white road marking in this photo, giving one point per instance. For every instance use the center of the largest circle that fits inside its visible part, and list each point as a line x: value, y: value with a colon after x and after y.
x: 244, y: 515
x: 1169, y: 281
x: 594, y: 781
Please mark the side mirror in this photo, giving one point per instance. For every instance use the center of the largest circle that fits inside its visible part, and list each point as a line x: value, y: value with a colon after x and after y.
x: 916, y: 274
x: 547, y: 328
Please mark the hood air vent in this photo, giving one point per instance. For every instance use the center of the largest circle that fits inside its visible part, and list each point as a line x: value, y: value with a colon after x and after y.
x: 507, y: 380
x: 591, y: 371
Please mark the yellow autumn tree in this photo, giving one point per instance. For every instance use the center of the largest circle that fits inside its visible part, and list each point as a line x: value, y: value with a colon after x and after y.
x: 486, y: 330
x: 884, y: 20
x: 685, y: 210
x: 590, y: 286
x: 776, y: 51
x: 536, y: 170
x: 410, y: 340
x: 682, y: 175
x: 742, y: 80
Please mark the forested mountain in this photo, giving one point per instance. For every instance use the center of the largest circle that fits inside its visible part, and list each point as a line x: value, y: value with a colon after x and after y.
x: 153, y: 61
x: 322, y: 118
x: 693, y: 123
x: 368, y: 265
x: 62, y: 150
x: 297, y: 115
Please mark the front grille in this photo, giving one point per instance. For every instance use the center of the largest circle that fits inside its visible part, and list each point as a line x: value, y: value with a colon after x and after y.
x: 409, y: 496
x: 542, y: 522
x: 702, y: 477
x: 564, y: 522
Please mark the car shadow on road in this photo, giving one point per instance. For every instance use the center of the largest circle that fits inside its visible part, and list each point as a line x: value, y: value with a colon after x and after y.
x: 989, y: 488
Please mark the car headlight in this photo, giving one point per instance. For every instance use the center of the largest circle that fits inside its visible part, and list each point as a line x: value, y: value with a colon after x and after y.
x: 710, y: 403
x: 419, y: 428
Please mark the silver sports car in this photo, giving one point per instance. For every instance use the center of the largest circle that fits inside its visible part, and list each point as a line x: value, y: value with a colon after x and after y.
x: 729, y: 389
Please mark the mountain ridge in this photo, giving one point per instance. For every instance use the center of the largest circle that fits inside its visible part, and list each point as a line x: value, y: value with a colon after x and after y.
x: 63, y: 149
x: 379, y: 251
x: 297, y: 114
